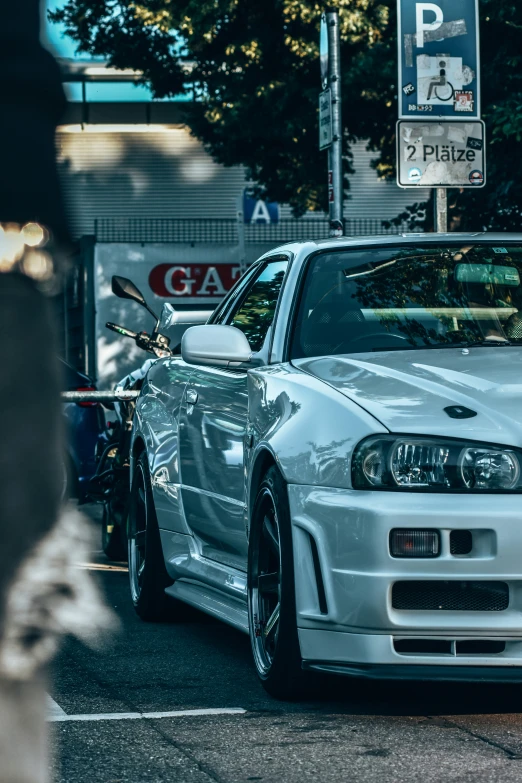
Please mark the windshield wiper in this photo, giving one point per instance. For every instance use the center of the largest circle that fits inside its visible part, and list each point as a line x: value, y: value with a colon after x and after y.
x: 485, y: 343
x: 434, y: 346
x: 429, y: 347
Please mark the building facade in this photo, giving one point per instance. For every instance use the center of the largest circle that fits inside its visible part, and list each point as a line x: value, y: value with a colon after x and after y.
x: 144, y: 172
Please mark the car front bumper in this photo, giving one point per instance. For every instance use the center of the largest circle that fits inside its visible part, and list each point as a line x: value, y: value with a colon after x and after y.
x: 360, y: 629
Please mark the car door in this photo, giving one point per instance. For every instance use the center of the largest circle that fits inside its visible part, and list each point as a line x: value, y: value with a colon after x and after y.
x: 213, y: 424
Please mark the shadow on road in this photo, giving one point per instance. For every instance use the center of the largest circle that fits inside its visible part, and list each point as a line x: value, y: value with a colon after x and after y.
x: 199, y: 661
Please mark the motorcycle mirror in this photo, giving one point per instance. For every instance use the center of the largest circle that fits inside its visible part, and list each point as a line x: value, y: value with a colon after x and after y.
x: 125, y: 289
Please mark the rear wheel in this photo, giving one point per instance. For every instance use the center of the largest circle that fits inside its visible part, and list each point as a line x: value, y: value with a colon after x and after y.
x: 271, y: 592
x: 113, y: 543
x: 147, y: 573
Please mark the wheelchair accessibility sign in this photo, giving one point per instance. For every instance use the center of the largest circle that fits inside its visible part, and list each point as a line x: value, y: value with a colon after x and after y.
x: 439, y: 67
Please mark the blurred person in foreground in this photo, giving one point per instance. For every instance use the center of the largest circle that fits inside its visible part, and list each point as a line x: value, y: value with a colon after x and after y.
x: 42, y: 596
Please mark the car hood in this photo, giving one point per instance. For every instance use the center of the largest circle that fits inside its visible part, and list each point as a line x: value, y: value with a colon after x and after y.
x: 407, y: 391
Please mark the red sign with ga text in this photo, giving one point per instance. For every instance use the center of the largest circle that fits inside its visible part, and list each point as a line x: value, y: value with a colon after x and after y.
x: 200, y: 281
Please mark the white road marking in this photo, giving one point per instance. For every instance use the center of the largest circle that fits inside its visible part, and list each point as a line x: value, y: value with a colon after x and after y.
x: 54, y: 711
x: 62, y: 717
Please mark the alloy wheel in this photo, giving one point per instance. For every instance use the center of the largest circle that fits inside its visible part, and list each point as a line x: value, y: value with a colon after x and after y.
x: 265, y: 584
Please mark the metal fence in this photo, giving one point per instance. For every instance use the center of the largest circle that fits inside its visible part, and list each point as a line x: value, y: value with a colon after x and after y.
x: 227, y: 231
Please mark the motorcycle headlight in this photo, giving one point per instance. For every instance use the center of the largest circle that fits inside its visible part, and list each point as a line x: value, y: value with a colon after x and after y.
x: 435, y: 465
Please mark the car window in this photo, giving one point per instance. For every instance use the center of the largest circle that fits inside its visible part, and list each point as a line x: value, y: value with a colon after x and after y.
x: 235, y: 295
x: 255, y: 314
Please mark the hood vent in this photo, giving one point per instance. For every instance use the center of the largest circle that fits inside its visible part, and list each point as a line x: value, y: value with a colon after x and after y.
x: 460, y: 412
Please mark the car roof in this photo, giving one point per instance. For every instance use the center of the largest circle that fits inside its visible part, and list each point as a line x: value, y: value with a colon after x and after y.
x: 393, y: 239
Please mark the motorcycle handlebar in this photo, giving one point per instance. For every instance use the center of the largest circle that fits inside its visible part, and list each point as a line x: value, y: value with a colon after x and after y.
x: 158, y: 345
x: 121, y: 330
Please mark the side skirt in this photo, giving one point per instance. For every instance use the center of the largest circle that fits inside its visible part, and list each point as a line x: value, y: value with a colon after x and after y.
x: 224, y: 607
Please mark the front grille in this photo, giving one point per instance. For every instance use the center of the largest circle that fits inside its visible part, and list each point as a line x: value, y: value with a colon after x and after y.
x: 451, y: 596
x: 461, y: 542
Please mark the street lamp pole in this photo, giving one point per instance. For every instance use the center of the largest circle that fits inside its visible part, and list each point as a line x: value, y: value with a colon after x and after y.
x: 335, y: 151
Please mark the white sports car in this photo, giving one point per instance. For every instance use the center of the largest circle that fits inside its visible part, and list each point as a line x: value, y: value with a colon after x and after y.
x: 334, y: 463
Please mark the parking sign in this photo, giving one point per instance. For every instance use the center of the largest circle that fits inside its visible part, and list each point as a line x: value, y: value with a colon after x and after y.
x: 441, y: 154
x: 439, y: 66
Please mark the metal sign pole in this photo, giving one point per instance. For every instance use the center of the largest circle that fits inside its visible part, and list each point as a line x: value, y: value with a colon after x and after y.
x: 100, y: 396
x: 335, y: 152
x: 240, y: 222
x: 441, y: 210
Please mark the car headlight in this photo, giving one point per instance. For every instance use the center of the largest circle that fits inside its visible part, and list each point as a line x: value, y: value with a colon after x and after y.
x: 434, y: 465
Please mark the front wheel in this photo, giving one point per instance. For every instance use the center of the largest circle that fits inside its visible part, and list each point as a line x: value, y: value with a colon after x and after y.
x: 271, y: 592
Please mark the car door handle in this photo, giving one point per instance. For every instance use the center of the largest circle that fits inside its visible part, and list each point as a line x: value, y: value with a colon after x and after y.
x: 191, y: 396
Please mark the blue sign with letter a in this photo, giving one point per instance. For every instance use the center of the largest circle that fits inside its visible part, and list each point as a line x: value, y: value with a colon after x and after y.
x: 439, y: 67
x: 256, y: 210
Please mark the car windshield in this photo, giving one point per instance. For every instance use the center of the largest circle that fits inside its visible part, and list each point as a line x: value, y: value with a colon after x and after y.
x: 403, y: 298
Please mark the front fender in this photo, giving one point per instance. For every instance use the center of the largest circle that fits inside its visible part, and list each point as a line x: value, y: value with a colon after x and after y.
x: 309, y: 428
x: 156, y: 419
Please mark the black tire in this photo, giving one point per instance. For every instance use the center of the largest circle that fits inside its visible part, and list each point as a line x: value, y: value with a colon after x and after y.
x: 276, y: 653
x: 113, y: 543
x: 147, y: 573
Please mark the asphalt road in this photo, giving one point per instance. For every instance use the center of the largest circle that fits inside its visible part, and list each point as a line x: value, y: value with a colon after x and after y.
x: 344, y: 731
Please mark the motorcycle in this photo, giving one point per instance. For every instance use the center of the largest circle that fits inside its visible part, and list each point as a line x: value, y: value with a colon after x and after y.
x: 111, y: 483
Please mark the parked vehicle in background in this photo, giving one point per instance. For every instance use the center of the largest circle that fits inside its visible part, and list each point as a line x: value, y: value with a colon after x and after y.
x: 111, y: 483
x: 84, y: 425
x: 334, y: 463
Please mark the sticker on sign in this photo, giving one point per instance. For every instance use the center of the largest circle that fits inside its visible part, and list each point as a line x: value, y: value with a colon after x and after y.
x: 440, y: 154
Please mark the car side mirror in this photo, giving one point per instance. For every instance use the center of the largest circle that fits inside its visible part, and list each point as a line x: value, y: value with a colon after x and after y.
x: 222, y: 346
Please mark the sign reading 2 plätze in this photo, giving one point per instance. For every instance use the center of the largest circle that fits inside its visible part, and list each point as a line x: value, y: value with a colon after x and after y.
x: 439, y: 66
x: 193, y: 281
x: 443, y: 154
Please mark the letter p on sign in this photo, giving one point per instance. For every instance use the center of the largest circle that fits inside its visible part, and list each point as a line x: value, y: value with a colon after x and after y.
x: 423, y: 26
